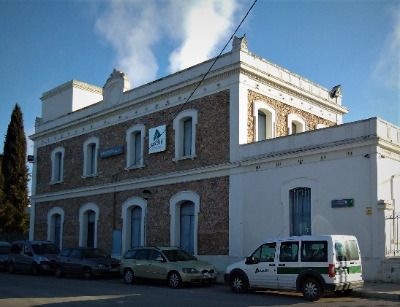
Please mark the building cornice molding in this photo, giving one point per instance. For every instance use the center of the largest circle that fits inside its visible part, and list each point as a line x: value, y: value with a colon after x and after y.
x: 72, y: 84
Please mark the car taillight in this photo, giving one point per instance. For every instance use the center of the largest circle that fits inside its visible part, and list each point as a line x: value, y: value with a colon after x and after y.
x: 332, y: 270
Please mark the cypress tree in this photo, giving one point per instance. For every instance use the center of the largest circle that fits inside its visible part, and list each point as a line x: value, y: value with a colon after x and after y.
x: 13, y: 215
x: 1, y: 181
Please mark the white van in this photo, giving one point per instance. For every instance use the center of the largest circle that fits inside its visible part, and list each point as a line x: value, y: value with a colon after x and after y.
x: 310, y: 264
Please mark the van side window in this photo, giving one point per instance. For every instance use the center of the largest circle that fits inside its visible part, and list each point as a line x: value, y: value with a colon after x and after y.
x: 288, y: 252
x: 314, y: 251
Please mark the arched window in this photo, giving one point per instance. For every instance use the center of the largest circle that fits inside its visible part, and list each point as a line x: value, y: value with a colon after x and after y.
x: 187, y: 226
x: 135, y: 144
x: 133, y: 223
x: 57, y: 165
x: 296, y: 124
x: 185, y: 134
x: 184, y: 210
x: 88, y: 217
x: 264, y: 117
x: 136, y: 226
x: 90, y: 151
x: 55, y: 221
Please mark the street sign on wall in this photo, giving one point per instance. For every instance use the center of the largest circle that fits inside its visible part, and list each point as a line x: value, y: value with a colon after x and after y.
x: 342, y: 203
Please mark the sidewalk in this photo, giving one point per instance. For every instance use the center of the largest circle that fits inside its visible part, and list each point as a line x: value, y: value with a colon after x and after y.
x: 381, y: 290
x: 387, y: 291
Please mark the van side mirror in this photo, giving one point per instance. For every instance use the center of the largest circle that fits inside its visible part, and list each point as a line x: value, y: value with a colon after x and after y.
x: 251, y: 260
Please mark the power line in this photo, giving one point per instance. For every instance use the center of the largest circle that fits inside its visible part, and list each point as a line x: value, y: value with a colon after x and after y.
x: 199, y: 83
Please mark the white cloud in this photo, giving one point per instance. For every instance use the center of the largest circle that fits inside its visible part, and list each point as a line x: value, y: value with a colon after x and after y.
x: 135, y: 27
x: 204, y: 26
x: 387, y: 70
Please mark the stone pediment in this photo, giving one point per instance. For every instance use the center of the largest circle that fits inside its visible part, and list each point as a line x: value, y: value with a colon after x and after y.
x: 115, y: 86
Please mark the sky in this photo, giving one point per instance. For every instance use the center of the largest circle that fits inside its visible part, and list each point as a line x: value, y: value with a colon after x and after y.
x: 45, y: 43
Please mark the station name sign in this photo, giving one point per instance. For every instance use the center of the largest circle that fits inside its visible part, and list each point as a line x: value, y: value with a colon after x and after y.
x: 113, y: 151
x: 342, y: 203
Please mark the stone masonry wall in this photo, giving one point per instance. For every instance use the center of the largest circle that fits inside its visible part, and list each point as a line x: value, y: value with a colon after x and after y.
x: 282, y: 112
x: 212, y: 147
x: 213, y: 218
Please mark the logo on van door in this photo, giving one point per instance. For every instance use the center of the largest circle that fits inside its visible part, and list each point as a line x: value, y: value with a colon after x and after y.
x: 261, y: 271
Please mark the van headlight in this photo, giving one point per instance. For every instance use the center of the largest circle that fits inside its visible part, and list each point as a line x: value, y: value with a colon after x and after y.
x: 189, y: 270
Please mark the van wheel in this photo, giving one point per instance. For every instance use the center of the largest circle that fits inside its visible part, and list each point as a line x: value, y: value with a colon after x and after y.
x: 175, y: 280
x: 87, y: 274
x: 238, y: 284
x: 311, y: 289
x: 11, y: 268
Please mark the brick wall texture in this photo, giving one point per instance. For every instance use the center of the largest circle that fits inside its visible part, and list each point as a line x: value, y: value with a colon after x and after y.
x: 212, y: 148
x: 282, y: 112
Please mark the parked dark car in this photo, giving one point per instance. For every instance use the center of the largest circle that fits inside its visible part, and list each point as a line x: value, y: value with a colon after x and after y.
x: 4, y: 250
x: 87, y: 262
x: 32, y: 256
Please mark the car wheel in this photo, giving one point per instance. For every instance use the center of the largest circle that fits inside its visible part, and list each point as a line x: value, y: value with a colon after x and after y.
x: 87, y: 274
x: 34, y: 269
x: 175, y: 280
x: 238, y: 284
x: 59, y: 272
x: 311, y: 289
x: 129, y: 276
x: 11, y: 268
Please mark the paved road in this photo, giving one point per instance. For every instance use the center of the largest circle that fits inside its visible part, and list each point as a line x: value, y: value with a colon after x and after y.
x: 26, y: 290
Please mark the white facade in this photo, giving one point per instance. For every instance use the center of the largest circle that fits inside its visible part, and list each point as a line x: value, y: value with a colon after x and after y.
x: 351, y: 161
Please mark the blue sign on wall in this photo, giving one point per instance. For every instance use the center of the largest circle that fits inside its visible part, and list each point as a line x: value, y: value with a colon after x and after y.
x: 113, y: 151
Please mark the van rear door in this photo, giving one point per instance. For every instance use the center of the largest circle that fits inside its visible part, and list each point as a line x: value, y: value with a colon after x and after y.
x: 348, y: 260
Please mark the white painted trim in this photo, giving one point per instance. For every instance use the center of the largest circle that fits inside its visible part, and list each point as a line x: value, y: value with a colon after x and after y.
x: 271, y: 118
x: 178, y: 127
x: 126, y: 217
x: 300, y: 123
x: 131, y: 147
x: 50, y: 224
x: 174, y: 211
x: 83, y: 223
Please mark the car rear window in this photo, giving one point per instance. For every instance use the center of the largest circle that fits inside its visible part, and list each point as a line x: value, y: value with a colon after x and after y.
x: 346, y: 250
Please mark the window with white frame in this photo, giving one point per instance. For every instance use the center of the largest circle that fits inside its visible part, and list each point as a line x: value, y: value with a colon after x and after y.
x: 133, y: 223
x: 88, y: 217
x: 135, y: 144
x: 185, y: 134
x: 57, y: 164
x: 296, y: 124
x: 184, y: 210
x: 90, y: 152
x: 55, y: 222
x: 264, y: 124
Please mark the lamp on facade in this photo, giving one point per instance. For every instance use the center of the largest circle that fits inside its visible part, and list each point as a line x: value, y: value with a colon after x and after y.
x: 146, y: 194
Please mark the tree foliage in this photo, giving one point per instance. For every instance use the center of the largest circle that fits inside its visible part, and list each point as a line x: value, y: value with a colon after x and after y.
x: 13, y: 216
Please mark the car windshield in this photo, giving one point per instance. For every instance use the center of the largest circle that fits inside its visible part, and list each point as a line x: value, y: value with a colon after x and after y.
x: 4, y: 249
x: 94, y: 253
x: 45, y: 249
x: 174, y: 255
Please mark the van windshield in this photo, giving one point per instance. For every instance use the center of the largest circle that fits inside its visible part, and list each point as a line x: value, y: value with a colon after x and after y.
x: 347, y: 250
